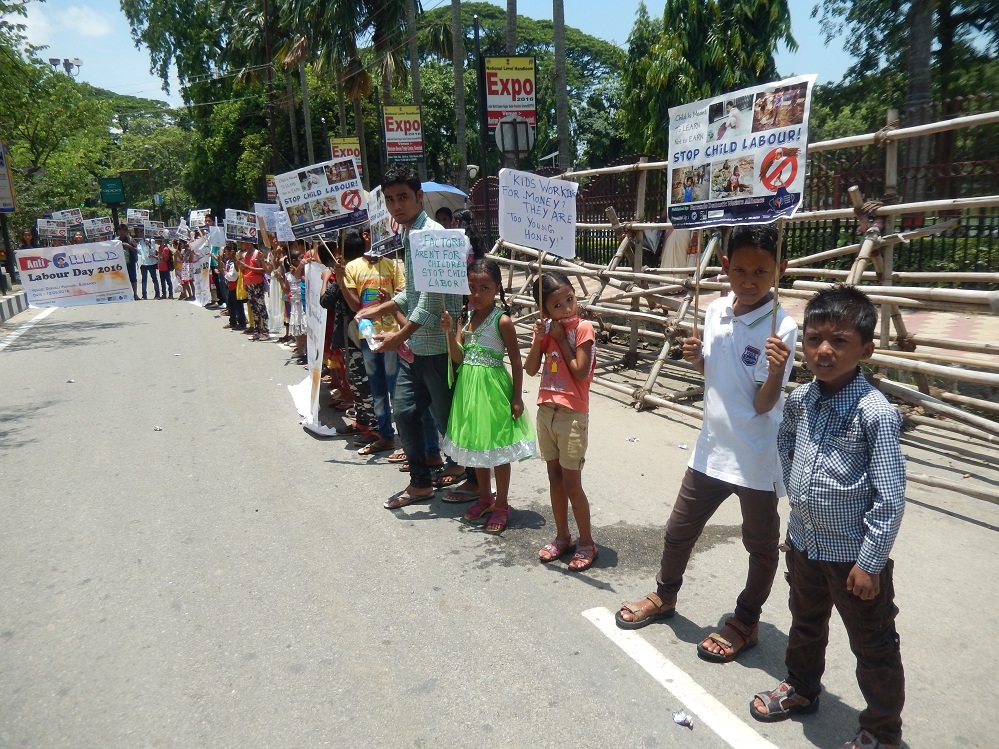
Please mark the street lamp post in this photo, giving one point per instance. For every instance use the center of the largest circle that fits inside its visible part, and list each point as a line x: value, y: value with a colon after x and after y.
x: 67, y: 65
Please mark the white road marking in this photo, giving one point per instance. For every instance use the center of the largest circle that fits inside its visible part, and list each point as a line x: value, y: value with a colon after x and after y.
x: 11, y: 337
x: 695, y: 699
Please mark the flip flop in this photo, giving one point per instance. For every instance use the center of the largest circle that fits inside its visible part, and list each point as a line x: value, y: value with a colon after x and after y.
x: 399, y: 456
x: 460, y: 496
x: 373, y: 448
x: 443, y: 480
x: 404, y: 499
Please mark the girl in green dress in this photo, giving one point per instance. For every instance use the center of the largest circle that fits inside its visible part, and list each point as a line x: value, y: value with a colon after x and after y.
x: 487, y: 429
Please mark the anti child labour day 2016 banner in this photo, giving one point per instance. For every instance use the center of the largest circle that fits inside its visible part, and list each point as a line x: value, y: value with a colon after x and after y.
x: 306, y: 393
x: 538, y: 212
x: 739, y: 158
x: 240, y: 226
x: 440, y: 260
x: 322, y: 197
x: 79, y: 274
x: 384, y: 230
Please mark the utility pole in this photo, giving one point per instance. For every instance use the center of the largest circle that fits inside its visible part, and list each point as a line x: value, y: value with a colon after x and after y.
x: 270, y: 92
x: 414, y: 68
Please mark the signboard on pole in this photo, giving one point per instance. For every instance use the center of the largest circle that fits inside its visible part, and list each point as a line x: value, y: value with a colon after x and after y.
x: 440, y: 260
x: 7, y: 204
x: 240, y: 226
x: 739, y: 158
x: 403, y: 126
x: 386, y: 236
x: 538, y: 212
x: 112, y: 190
x: 82, y: 274
x: 510, y: 90
x: 322, y: 197
x: 344, y: 148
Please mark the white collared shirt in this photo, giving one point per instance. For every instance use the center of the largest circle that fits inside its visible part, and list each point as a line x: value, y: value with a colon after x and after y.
x: 736, y: 444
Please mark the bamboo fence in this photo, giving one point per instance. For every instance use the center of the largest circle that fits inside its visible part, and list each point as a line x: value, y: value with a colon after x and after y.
x: 624, y: 299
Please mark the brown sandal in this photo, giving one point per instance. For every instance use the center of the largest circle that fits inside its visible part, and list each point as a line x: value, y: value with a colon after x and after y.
x: 644, y: 616
x: 734, y: 630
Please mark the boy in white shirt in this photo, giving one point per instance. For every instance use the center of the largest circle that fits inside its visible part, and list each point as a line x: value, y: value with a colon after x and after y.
x: 745, y: 371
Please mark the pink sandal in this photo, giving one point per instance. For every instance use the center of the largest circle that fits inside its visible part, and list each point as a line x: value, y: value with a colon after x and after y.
x: 480, y: 508
x: 498, y: 520
x: 554, y: 549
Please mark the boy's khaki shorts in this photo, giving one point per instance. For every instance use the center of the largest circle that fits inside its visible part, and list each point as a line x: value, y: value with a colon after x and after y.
x: 563, y: 435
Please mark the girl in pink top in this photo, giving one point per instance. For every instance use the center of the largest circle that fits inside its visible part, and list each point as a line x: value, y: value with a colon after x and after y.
x: 563, y: 351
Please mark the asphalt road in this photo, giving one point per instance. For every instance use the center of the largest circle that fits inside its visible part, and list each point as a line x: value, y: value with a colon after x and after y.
x: 231, y: 581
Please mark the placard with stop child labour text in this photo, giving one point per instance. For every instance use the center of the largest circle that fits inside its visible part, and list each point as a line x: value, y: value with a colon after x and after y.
x: 98, y: 229
x: 72, y: 216
x: 50, y: 228
x: 322, y: 197
x: 440, y: 260
x: 79, y: 274
x: 138, y: 217
x: 538, y: 212
x: 240, y: 226
x: 385, y: 233
x: 739, y: 158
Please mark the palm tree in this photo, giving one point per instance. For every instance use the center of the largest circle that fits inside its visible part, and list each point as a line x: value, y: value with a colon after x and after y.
x: 414, y: 65
x: 561, y: 86
x: 511, y: 27
x: 458, y: 60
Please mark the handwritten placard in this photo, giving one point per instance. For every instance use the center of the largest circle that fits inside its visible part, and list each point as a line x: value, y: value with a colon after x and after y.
x: 440, y: 260
x: 538, y: 212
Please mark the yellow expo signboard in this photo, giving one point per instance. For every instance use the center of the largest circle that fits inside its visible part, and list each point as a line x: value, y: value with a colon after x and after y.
x: 344, y: 148
x: 403, y: 133
x: 510, y: 89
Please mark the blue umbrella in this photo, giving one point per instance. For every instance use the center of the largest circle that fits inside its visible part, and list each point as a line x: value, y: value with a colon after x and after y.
x: 437, y: 195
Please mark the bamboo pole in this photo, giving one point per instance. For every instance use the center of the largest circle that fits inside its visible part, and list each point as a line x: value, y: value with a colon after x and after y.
x: 988, y: 495
x: 636, y: 250
x: 646, y: 398
x: 960, y: 296
x: 965, y: 400
x: 914, y: 419
x: 925, y: 356
x: 773, y: 310
x: 933, y: 405
x: 955, y: 345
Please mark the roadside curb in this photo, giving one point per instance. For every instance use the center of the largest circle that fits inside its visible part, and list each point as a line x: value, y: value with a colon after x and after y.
x: 13, y: 304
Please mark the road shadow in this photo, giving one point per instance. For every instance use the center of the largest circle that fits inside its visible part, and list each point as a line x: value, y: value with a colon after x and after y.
x: 12, y: 421
x: 64, y: 334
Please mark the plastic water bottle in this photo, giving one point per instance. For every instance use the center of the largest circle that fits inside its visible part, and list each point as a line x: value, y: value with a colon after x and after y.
x: 367, y: 329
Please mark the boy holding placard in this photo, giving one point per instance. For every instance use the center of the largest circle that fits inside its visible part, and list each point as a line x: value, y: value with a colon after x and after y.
x: 421, y: 385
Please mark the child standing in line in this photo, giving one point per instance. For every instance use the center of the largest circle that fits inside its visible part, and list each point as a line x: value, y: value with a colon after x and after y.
x: 744, y: 370
x: 486, y: 428
x: 845, y: 474
x: 566, y: 345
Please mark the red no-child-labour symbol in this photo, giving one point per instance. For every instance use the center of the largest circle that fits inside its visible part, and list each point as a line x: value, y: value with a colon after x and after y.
x: 351, y: 200
x: 393, y: 226
x: 775, y: 167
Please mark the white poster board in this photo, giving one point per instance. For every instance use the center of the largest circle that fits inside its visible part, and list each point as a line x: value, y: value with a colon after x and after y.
x: 240, y: 226
x: 306, y: 393
x: 98, y: 229
x: 440, y: 260
x: 538, y: 212
x: 201, y: 272
x: 386, y: 234
x: 739, y: 158
x: 197, y: 218
x: 72, y: 216
x: 49, y: 228
x: 137, y: 217
x: 322, y: 197
x: 265, y: 215
x: 282, y: 227
x: 93, y: 273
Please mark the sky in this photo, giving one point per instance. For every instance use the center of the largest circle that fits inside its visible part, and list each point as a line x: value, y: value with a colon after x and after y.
x: 96, y: 32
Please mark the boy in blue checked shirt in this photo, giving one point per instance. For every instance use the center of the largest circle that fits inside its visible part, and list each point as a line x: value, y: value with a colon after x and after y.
x: 845, y: 475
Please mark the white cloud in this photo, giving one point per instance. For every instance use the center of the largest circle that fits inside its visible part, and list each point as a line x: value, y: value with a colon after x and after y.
x: 85, y: 21
x: 38, y: 27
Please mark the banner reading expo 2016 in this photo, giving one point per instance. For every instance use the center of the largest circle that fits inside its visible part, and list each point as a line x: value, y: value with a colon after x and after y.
x: 509, y: 90
x: 739, y: 158
x: 403, y: 133
x: 322, y: 197
x: 84, y: 274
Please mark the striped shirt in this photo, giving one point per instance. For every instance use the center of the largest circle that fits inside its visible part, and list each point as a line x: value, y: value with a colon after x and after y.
x: 845, y: 473
x: 423, y: 307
